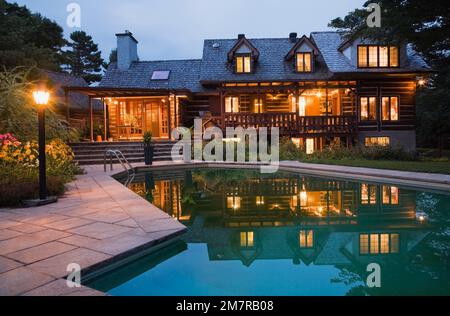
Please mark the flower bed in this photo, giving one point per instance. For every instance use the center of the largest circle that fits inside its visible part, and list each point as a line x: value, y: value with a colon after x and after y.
x: 19, y: 172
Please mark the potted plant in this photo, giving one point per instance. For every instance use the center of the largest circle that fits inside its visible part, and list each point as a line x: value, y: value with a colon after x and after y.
x: 149, y: 149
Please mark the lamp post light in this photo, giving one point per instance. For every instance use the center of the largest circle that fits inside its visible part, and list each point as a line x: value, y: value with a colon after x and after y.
x: 41, y: 98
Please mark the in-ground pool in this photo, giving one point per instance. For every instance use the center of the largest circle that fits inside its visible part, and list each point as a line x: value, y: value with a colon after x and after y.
x: 288, y: 234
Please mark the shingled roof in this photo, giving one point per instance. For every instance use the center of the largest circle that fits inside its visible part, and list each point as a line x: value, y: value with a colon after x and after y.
x: 271, y: 65
x: 214, y: 67
x: 184, y: 74
x: 77, y: 101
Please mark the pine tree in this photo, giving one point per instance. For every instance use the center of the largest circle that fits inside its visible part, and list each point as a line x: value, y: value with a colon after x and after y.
x: 83, y: 57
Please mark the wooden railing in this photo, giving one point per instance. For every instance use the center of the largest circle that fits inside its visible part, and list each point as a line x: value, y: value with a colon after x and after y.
x: 291, y: 123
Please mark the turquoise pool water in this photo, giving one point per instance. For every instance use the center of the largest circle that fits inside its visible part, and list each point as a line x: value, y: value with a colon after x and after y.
x: 288, y: 234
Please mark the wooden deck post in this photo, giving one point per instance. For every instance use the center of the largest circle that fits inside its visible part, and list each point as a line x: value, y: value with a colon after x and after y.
x: 66, y: 101
x: 105, y: 120
x: 169, y: 114
x: 91, y: 119
x: 222, y: 111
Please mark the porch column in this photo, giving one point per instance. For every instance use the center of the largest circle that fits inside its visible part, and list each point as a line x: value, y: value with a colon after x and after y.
x: 105, y: 120
x: 222, y: 111
x: 66, y: 101
x: 169, y: 114
x: 91, y: 119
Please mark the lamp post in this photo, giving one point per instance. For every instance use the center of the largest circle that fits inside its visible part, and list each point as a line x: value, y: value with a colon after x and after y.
x: 41, y: 98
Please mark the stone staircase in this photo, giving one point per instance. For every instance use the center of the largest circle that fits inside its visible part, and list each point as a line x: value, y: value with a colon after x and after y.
x: 93, y: 153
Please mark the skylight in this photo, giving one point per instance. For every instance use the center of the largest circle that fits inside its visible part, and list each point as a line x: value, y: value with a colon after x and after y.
x: 161, y: 75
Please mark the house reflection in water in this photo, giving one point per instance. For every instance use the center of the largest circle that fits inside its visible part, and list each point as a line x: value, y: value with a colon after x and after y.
x: 247, y: 216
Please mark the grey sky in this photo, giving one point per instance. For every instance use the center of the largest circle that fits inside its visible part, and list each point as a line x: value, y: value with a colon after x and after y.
x: 174, y: 29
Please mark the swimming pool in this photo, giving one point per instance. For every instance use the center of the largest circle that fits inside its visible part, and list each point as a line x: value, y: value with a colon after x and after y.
x: 288, y: 234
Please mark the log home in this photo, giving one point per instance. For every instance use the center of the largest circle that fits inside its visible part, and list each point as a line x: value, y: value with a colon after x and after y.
x: 317, y: 90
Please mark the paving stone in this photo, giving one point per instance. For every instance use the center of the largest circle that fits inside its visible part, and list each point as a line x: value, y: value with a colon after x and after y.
x: 46, y: 219
x: 60, y: 288
x: 21, y: 280
x: 161, y: 225
x: 123, y: 243
x: 30, y: 240
x: 100, y: 230
x: 27, y: 228
x: 110, y: 216
x: 79, y: 241
x: 128, y: 223
x: 41, y: 252
x: 8, y: 264
x: 8, y: 224
x: 69, y: 224
x: 57, y: 266
x: 8, y: 234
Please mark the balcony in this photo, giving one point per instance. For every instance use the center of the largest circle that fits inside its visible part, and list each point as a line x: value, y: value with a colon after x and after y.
x: 292, y: 124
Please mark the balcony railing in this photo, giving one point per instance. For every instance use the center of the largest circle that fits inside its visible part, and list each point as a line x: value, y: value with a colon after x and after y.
x: 292, y: 123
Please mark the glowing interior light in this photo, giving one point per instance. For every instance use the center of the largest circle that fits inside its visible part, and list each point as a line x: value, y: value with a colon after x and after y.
x: 302, y: 106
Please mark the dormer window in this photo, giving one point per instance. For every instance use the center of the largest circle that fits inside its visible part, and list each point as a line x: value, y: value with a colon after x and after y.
x: 376, y: 56
x: 243, y: 64
x: 304, y: 62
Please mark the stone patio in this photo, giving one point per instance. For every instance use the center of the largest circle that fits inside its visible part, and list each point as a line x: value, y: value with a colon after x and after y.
x: 97, y: 222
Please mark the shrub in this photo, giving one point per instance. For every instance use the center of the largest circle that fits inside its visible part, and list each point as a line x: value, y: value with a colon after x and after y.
x: 19, y: 172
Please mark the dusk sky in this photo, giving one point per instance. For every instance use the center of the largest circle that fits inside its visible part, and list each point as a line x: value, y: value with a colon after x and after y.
x: 175, y: 29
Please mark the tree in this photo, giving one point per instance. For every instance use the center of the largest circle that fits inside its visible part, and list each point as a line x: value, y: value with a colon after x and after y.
x: 426, y: 26
x: 112, y: 59
x: 28, y: 39
x: 83, y: 57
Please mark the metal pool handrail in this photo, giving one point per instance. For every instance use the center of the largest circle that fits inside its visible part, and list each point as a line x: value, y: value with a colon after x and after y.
x: 122, y: 159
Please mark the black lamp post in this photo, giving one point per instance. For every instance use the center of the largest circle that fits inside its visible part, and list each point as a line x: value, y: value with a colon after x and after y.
x: 41, y: 98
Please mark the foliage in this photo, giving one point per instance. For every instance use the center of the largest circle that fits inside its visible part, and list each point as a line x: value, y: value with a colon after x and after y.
x: 28, y: 39
x: 148, y: 138
x: 19, y: 170
x: 83, y: 58
x: 427, y: 28
x: 18, y: 114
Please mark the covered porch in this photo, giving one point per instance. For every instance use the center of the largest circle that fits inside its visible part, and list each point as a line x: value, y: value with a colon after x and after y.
x: 129, y: 113
x: 297, y: 109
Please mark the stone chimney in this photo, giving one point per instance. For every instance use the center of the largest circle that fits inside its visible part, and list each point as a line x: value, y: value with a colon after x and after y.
x: 293, y: 37
x: 126, y: 50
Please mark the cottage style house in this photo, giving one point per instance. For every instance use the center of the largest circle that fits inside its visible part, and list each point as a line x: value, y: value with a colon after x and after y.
x: 317, y: 90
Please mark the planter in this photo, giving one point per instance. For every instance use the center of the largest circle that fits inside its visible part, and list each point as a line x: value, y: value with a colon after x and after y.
x: 149, y: 151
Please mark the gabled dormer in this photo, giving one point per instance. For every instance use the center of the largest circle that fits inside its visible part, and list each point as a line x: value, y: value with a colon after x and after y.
x: 302, y: 54
x: 366, y: 54
x: 243, y: 56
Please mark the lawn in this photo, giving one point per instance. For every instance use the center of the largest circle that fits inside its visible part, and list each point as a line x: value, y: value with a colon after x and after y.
x: 414, y: 166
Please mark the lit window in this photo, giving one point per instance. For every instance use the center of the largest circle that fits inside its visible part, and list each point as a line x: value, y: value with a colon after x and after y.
x: 306, y: 239
x: 243, y: 64
x: 234, y: 202
x: 364, y: 244
x: 384, y: 56
x: 309, y: 146
x: 379, y: 244
x: 232, y: 104
x: 393, y: 54
x: 368, y: 108
x: 368, y: 194
x: 258, y: 106
x: 260, y: 200
x: 302, y: 106
x: 304, y: 62
x: 247, y: 239
x: 390, y: 195
x: 377, y: 141
x: 362, y: 56
x: 374, y: 56
x: 389, y: 108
